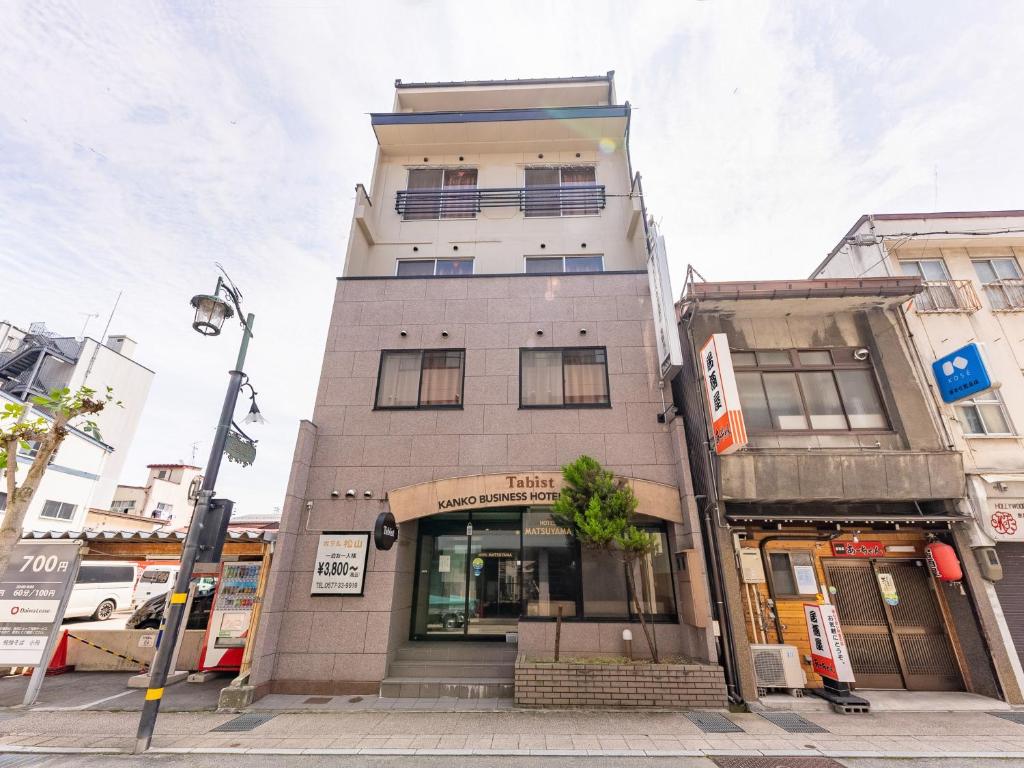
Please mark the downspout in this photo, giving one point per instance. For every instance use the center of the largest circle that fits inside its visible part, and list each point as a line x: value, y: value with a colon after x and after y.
x: 721, y: 607
x: 767, y: 567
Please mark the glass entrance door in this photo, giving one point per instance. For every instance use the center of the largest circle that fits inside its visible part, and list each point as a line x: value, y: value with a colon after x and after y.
x: 494, y: 592
x: 468, y: 580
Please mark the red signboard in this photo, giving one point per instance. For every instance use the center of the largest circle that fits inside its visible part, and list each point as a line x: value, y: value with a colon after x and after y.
x: 858, y: 549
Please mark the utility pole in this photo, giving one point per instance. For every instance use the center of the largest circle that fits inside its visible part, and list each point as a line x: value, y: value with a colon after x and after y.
x: 190, y: 551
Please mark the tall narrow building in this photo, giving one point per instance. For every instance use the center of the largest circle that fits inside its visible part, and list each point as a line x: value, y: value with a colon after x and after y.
x: 493, y: 322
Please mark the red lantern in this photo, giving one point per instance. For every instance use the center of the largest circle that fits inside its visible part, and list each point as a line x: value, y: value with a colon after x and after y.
x: 943, y: 562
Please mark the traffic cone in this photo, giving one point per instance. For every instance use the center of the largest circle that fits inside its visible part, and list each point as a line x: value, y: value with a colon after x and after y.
x: 59, y: 663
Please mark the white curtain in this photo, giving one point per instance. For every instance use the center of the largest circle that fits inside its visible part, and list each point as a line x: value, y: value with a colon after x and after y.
x: 542, y: 377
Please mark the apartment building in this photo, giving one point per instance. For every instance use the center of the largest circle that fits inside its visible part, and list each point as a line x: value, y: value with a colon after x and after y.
x: 85, y: 471
x: 494, y: 320
x: 829, y: 478
x: 168, y: 495
x: 968, y: 320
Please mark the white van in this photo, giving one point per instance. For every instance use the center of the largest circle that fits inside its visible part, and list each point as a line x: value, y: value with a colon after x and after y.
x: 155, y: 580
x: 102, y: 587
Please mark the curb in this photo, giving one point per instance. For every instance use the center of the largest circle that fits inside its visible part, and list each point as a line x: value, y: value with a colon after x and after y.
x: 406, y: 752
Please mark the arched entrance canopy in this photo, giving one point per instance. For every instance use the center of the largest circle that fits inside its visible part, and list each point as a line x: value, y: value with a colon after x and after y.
x: 508, y: 489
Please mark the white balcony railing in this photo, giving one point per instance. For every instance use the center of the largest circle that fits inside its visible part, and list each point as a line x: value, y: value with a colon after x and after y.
x: 1006, y: 295
x: 947, y: 296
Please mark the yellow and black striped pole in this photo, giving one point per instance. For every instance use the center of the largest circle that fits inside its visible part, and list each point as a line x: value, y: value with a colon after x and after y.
x: 190, y: 551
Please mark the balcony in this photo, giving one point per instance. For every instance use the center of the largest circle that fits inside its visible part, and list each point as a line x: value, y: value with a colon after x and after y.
x: 1006, y: 295
x: 467, y: 202
x: 947, y: 296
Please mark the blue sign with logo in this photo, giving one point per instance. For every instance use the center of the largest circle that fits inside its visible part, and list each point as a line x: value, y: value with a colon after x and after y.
x: 961, y: 373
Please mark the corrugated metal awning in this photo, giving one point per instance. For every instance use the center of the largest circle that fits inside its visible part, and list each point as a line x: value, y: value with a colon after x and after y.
x: 169, y: 536
x: 812, y: 517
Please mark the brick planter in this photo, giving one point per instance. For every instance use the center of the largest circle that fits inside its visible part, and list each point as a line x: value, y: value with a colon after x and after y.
x: 570, y: 684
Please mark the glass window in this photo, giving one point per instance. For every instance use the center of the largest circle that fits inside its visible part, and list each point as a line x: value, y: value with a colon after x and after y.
x: 805, y: 397
x: 744, y: 359
x: 563, y: 377
x: 584, y: 264
x: 585, y: 376
x: 784, y: 401
x: 773, y: 357
x: 824, y: 407
x: 815, y: 357
x: 441, y: 383
x: 860, y: 396
x: 543, y: 264
x: 429, y: 267
x: 454, y: 267
x: 421, y: 378
x: 604, y: 586
x: 399, y: 380
x: 927, y: 269
x: 58, y: 510
x: 793, y: 574
x: 155, y: 577
x: 449, y: 199
x: 547, y: 200
x: 105, y: 574
x: 752, y: 398
x: 654, y: 579
x: 415, y: 267
x: 549, y: 191
x: 991, y: 270
x: 984, y: 414
x: 536, y: 265
x: 550, y: 565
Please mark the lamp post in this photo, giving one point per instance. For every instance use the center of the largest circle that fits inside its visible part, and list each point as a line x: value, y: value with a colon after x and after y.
x: 211, y: 312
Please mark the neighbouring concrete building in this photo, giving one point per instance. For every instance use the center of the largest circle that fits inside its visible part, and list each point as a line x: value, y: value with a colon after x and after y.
x: 84, y: 472
x: 164, y: 497
x: 972, y: 300
x: 493, y: 322
x: 843, y: 482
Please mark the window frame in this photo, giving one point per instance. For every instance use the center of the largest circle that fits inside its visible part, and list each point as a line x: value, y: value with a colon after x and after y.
x: 920, y: 272
x: 555, y: 167
x: 563, y: 257
x: 122, y: 506
x: 419, y: 385
x: 563, y: 405
x: 796, y: 367
x: 989, y: 397
x: 399, y: 261
x: 792, y: 572
x: 988, y: 260
x: 440, y: 202
x: 60, y: 507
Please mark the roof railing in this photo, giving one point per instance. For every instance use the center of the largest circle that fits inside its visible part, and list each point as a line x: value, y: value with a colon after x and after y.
x: 466, y: 202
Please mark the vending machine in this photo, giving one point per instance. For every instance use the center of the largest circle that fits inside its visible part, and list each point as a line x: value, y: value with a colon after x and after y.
x: 228, y: 628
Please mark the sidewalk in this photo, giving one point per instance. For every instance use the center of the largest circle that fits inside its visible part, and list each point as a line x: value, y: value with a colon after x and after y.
x: 523, y: 732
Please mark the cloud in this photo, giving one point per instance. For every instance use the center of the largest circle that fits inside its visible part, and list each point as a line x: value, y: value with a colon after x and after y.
x: 139, y: 143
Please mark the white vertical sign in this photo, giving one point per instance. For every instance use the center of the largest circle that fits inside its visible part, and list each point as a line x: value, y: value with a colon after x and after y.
x: 829, y: 656
x: 666, y: 330
x: 723, y: 395
x: 340, y: 567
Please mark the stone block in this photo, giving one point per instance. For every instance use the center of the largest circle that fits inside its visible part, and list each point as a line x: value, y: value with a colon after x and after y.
x: 434, y: 450
x: 422, y: 312
x: 466, y: 311
x: 485, y: 449
x: 506, y: 419
x: 946, y: 473
x: 630, y: 449
x: 467, y: 421
x: 776, y: 477
x: 864, y: 477
x: 387, y: 451
x: 554, y: 421
x: 413, y: 422
x: 349, y: 391
x: 487, y: 336
x: 907, y: 476
x: 543, y: 308
x: 820, y: 476
x: 593, y: 308
x: 569, y: 447
x: 486, y: 390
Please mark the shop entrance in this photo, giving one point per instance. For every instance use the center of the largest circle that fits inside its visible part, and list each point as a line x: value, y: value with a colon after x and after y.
x: 893, y: 646
x: 468, y: 582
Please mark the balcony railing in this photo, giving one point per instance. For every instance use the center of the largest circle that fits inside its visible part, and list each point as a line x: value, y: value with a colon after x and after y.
x: 466, y: 202
x: 947, y: 296
x: 1006, y: 295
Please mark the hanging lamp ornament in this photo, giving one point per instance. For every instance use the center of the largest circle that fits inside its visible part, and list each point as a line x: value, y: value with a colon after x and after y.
x: 211, y: 312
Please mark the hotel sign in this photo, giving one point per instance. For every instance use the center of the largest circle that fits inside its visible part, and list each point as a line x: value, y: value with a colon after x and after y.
x: 516, y: 489
x: 340, y: 566
x: 1004, y: 519
x: 670, y: 352
x: 730, y: 433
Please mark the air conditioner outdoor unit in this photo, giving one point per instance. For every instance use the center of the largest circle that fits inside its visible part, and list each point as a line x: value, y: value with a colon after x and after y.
x: 778, y: 666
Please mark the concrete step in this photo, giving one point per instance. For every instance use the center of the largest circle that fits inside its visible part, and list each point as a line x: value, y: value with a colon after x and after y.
x: 433, y: 688
x: 451, y: 669
x: 467, y: 651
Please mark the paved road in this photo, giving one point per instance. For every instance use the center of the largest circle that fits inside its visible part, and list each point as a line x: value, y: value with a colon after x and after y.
x: 370, y: 761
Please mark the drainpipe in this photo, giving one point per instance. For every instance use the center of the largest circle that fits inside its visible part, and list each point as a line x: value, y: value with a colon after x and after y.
x: 718, y: 595
x: 768, y: 569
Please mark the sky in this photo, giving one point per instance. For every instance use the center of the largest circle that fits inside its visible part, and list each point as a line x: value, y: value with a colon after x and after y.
x: 140, y: 142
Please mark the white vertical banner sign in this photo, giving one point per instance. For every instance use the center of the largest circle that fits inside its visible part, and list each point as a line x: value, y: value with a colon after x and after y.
x: 730, y: 432
x: 829, y: 656
x: 666, y: 330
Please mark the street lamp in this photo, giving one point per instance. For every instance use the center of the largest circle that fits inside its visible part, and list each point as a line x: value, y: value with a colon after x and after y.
x: 211, y: 312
